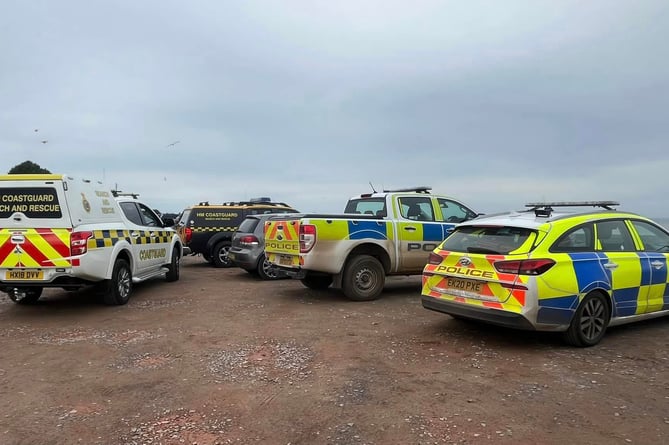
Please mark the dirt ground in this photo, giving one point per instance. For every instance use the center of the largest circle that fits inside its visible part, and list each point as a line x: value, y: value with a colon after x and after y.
x: 220, y: 357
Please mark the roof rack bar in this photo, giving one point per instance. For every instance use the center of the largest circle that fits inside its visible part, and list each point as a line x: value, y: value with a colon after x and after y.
x: 117, y: 193
x: 245, y: 203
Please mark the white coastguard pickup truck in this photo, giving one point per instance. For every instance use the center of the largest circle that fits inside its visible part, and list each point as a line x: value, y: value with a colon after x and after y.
x: 58, y: 231
x: 379, y: 234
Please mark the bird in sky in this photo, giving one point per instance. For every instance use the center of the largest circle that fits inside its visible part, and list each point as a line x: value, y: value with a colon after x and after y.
x: 36, y: 130
x: 173, y: 144
x: 44, y: 141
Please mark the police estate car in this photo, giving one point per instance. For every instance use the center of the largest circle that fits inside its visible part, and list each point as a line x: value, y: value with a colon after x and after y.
x: 544, y: 269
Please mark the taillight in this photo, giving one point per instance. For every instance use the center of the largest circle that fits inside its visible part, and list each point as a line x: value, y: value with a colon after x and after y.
x: 434, y: 258
x: 188, y: 234
x: 524, y: 267
x: 248, y: 240
x: 307, y: 237
x: 79, y: 242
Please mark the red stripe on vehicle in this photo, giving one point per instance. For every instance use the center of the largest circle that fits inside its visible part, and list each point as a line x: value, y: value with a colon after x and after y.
x: 55, y: 242
x: 36, y: 254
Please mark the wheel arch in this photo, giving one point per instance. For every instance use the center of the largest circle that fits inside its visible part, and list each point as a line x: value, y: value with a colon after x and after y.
x: 607, y: 296
x: 370, y: 249
x: 123, y: 254
x: 217, y: 238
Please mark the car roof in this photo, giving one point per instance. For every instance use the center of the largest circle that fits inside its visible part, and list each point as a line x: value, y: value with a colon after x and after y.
x: 530, y: 220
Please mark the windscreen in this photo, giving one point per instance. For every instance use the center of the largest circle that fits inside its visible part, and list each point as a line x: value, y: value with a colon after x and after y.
x: 500, y: 240
x: 34, y: 202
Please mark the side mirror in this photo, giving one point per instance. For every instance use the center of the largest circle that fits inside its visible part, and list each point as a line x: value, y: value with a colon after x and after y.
x: 168, y: 222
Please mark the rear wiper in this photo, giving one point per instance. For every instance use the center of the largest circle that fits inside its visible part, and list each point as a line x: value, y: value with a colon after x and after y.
x: 482, y: 250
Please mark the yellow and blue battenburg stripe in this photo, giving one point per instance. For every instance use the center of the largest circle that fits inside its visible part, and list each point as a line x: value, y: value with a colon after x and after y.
x: 641, y: 288
x: 383, y: 230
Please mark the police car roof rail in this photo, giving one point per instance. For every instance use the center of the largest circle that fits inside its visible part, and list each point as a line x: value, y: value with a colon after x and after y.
x: 546, y: 208
x: 246, y: 203
x: 420, y: 189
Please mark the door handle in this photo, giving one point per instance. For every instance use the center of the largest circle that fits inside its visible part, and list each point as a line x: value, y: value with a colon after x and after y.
x: 410, y: 228
x: 135, y: 234
x: 611, y: 265
x: 657, y: 264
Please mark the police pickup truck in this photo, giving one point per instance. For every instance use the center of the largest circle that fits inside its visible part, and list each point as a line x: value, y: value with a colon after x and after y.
x: 380, y: 234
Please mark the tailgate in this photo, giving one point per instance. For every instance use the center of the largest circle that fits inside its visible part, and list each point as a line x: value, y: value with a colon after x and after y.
x: 282, y: 242
x: 26, y: 253
x: 467, y: 277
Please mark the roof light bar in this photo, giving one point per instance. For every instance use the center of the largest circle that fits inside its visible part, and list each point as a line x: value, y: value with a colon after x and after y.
x: 604, y: 204
x: 421, y: 189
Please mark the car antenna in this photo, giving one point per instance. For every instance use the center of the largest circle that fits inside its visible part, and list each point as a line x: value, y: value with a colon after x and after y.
x: 370, y: 184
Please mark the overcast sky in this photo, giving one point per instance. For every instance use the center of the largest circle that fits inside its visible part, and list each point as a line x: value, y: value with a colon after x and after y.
x: 495, y: 103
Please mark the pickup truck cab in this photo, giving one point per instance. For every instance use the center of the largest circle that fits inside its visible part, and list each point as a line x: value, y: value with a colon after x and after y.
x: 380, y: 234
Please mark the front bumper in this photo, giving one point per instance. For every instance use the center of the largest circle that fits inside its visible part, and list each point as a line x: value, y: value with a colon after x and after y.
x: 488, y: 315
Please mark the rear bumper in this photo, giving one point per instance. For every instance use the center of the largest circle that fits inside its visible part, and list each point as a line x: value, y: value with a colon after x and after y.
x: 292, y: 272
x: 65, y: 282
x: 488, y: 315
x: 243, y: 259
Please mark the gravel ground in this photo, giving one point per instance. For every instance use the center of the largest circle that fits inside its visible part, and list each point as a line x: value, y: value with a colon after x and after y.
x: 220, y: 357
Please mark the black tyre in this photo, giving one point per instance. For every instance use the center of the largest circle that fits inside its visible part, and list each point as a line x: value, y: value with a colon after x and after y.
x: 173, y: 272
x: 364, y: 278
x: 220, y: 255
x: 317, y: 282
x: 267, y: 270
x: 119, y: 286
x: 26, y: 295
x: 589, y: 323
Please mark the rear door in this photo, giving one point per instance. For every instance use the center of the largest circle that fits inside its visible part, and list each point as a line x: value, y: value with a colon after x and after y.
x: 35, y: 228
x: 467, y: 272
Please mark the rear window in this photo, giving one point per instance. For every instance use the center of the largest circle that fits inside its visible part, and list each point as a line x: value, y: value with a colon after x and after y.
x: 34, y: 202
x: 265, y: 211
x: 248, y: 225
x: 370, y: 206
x: 490, y: 240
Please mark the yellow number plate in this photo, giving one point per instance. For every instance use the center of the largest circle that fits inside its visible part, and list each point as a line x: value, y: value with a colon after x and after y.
x: 24, y: 275
x: 285, y: 260
x: 464, y: 285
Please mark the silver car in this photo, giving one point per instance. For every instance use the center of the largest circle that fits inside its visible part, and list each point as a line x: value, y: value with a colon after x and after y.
x: 248, y: 248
